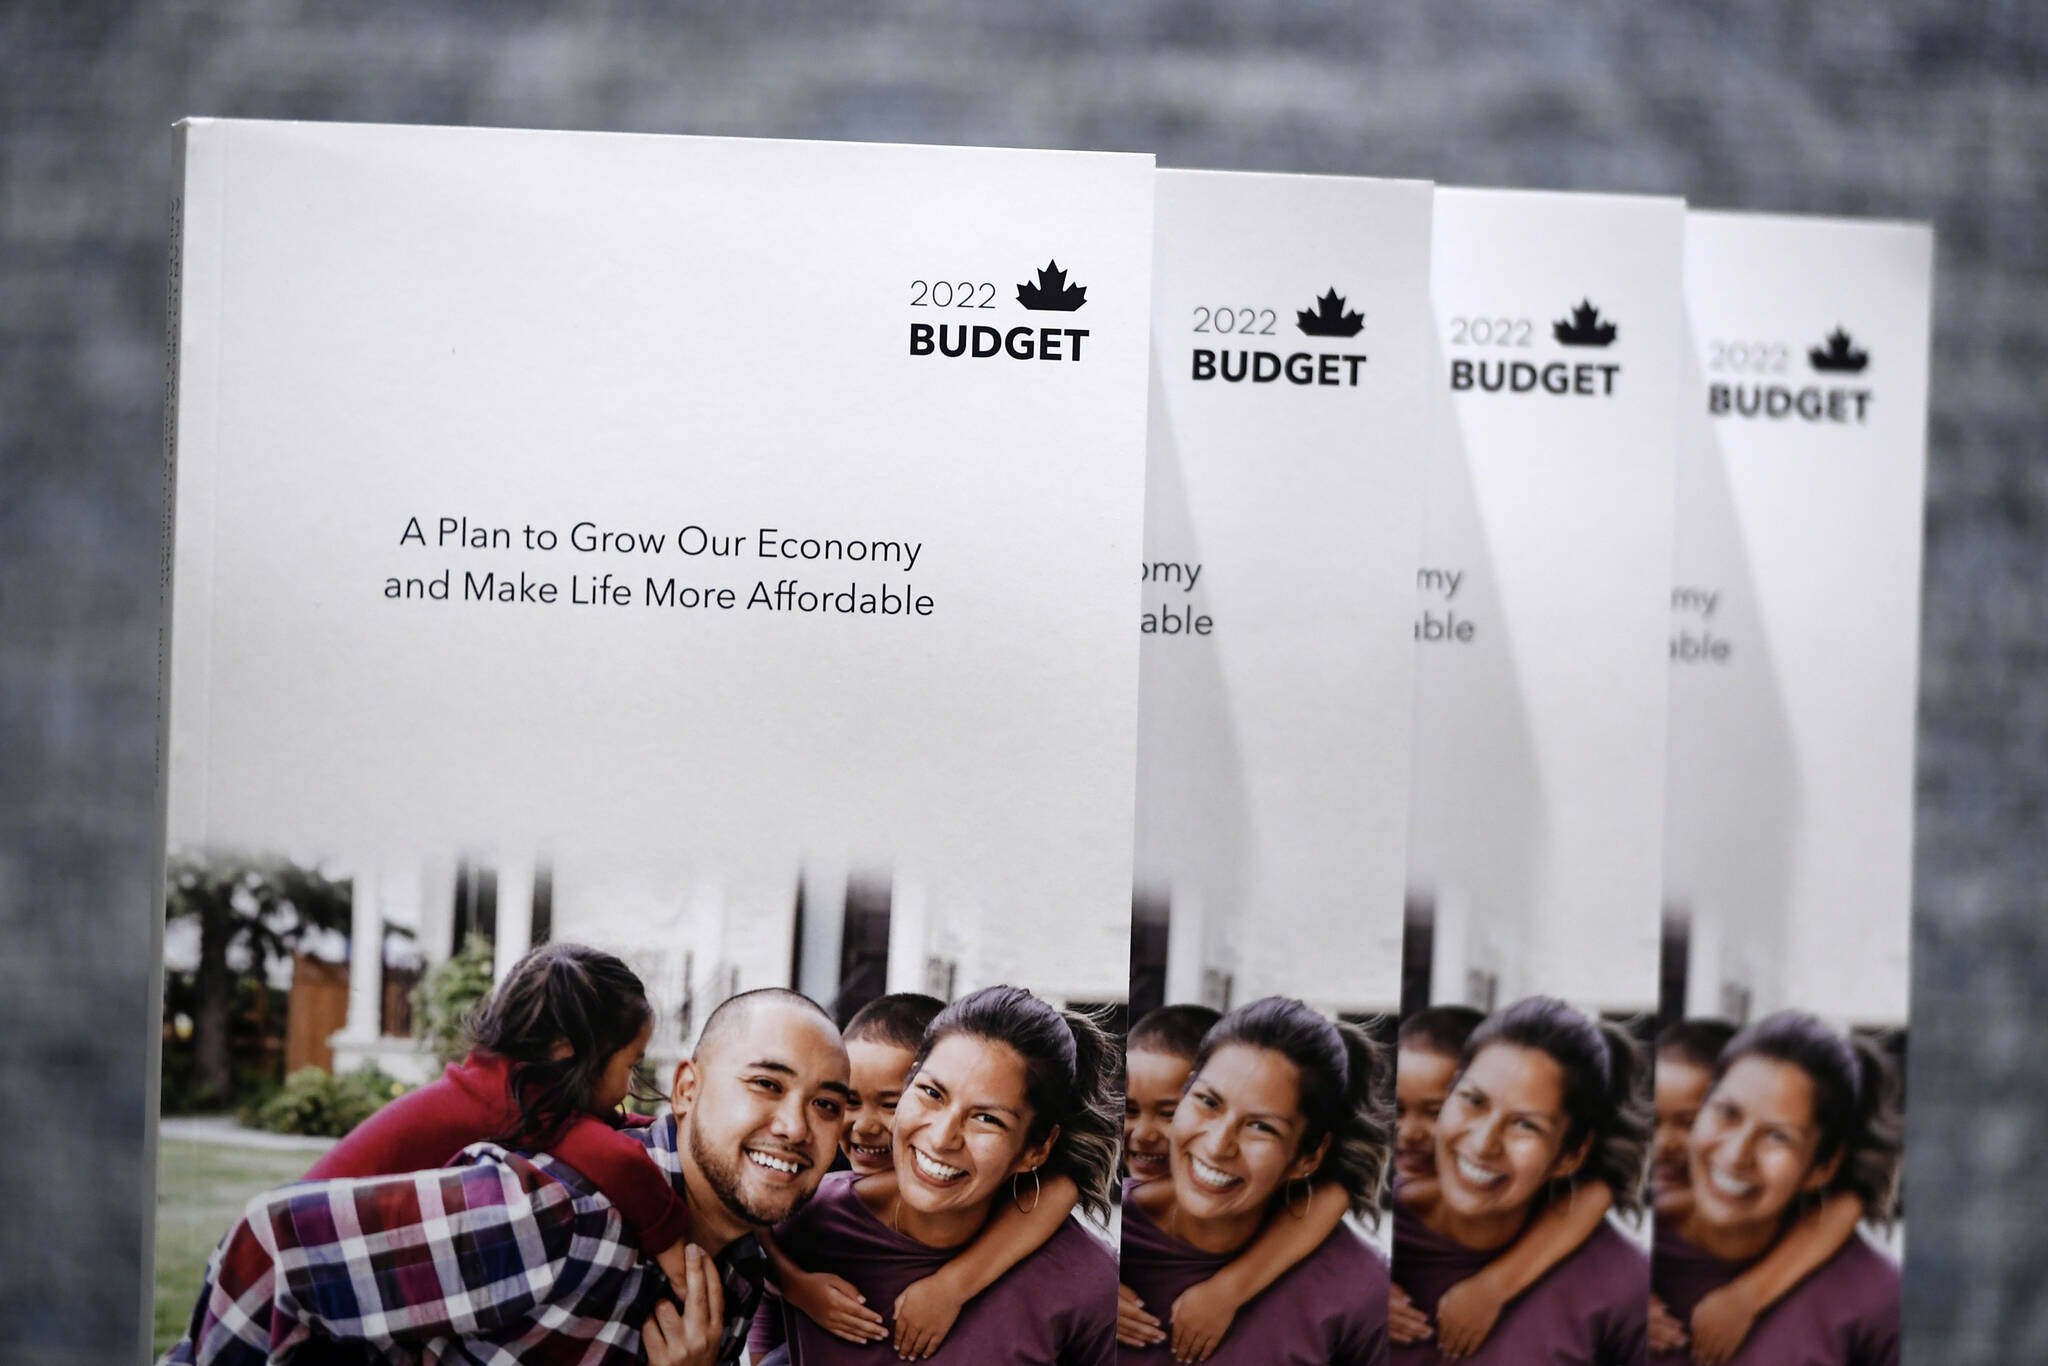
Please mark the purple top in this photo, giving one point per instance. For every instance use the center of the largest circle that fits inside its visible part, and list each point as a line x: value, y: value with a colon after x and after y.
x: 1591, y: 1309
x: 1057, y: 1307
x: 1329, y: 1308
x: 1844, y: 1314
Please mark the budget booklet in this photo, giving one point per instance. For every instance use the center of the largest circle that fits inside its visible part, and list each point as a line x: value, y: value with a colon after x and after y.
x: 676, y: 591
x: 1794, y: 652
x: 1530, y: 964
x: 1290, y: 334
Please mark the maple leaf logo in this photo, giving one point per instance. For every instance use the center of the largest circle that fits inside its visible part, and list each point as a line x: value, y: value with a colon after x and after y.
x: 1052, y: 293
x: 1328, y: 319
x: 1585, y: 327
x: 1839, y: 354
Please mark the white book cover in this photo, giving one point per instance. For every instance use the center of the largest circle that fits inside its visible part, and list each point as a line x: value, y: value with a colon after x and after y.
x: 1290, y: 336
x: 1795, y: 618
x: 1794, y: 667
x: 1535, y: 863
x: 712, y: 551
x: 1283, y: 511
x: 1540, y: 726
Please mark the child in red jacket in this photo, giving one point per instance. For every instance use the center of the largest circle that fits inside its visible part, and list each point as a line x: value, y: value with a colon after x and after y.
x: 555, y: 1049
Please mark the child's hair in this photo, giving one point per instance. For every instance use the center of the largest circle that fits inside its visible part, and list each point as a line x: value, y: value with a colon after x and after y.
x: 1698, y: 1041
x: 1342, y: 1088
x: 1441, y: 1030
x: 1173, y: 1030
x: 1070, y: 1079
x: 558, y: 993
x: 1605, y: 1086
x: 1855, y: 1100
x: 898, y: 1020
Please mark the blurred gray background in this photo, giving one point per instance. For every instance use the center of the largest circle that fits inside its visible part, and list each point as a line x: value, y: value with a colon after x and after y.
x: 1907, y: 108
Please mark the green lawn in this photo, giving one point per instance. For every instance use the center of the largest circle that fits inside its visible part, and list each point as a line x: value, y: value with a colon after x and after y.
x: 201, y: 1188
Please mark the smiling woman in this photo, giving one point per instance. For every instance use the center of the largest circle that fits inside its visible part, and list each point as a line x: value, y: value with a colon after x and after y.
x: 1003, y: 1088
x: 1278, y: 1106
x: 1545, y: 1100
x: 1796, y: 1114
x: 1005, y: 1094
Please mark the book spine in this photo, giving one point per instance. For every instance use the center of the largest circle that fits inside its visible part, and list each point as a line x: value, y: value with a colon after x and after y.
x: 153, y: 1069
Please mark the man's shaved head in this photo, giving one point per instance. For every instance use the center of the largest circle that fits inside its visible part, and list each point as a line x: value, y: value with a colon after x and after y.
x: 732, y: 1014
x: 759, y: 1109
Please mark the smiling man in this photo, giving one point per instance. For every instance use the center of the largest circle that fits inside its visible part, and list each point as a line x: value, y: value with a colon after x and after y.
x: 511, y: 1256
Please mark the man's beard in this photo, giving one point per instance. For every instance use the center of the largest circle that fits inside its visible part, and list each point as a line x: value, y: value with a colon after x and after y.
x: 724, y: 1177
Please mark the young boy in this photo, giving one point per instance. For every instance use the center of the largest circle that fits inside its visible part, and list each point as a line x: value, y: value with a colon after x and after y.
x: 1686, y: 1055
x: 882, y: 1040
x: 881, y: 1043
x: 1159, y: 1052
x: 1425, y: 1064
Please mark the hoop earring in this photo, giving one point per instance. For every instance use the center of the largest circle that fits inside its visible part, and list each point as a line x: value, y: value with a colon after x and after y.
x: 1308, y: 1194
x: 1036, y: 1191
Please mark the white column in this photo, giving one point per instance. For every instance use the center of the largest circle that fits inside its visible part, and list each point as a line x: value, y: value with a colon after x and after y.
x: 366, y: 955
x: 515, y: 915
x: 706, y: 919
x: 1449, y: 952
x: 757, y: 928
x: 908, y: 942
x: 1187, y: 947
x: 1703, y: 964
x: 436, y: 877
x: 824, y: 924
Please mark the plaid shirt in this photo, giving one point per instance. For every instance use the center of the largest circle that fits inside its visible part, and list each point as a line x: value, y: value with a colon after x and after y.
x: 497, y: 1259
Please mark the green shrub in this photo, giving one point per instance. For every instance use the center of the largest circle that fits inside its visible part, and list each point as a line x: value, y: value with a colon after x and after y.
x: 183, y: 1094
x: 445, y: 997
x: 315, y: 1102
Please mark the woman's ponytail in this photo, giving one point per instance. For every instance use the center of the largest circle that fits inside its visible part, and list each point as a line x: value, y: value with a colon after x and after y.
x: 1620, y: 1157
x: 1092, y: 1128
x: 1363, y: 1135
x: 1872, y: 1154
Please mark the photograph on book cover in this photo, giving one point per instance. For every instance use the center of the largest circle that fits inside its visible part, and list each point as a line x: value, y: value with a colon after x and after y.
x: 1530, y: 960
x: 650, y: 625
x: 1794, y: 651
x: 1290, y: 355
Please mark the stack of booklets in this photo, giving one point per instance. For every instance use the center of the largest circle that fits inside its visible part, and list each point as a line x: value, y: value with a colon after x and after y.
x: 1130, y: 764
